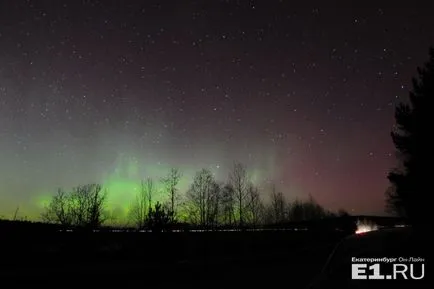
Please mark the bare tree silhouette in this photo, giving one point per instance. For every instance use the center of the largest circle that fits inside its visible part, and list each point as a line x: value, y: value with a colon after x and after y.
x: 203, y: 198
x: 16, y: 213
x: 84, y: 207
x: 142, y: 203
x: 409, y: 193
x: 171, y: 182
x: 312, y: 210
x: 255, y: 207
x: 207, y: 203
x: 296, y: 212
x: 228, y: 204
x: 214, y: 209
x: 60, y: 209
x: 239, y: 181
x: 307, y: 210
x: 278, y: 206
x: 90, y: 203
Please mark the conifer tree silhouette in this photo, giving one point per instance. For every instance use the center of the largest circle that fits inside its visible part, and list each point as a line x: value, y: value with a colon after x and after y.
x: 410, y: 192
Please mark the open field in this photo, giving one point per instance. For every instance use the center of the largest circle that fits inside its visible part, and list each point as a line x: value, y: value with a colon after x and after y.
x: 39, y: 254
x: 207, y: 259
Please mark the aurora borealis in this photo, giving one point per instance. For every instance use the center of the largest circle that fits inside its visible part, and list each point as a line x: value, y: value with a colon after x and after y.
x: 112, y: 92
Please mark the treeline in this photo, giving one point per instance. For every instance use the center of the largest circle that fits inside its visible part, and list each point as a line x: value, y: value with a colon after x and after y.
x: 207, y: 204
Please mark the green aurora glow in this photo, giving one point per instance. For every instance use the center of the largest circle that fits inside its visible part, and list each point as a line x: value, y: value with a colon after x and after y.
x: 123, y: 184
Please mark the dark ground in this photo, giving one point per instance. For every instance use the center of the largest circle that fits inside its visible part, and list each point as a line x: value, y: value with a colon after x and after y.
x: 167, y: 260
x: 33, y: 256
x: 392, y: 243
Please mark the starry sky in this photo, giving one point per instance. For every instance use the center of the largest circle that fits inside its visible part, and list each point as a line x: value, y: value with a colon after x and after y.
x: 302, y: 93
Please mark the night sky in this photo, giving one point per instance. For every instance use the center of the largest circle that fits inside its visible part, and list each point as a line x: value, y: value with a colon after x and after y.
x: 113, y: 91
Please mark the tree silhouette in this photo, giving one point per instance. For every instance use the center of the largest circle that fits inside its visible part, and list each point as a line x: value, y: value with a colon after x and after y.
x: 239, y: 181
x: 409, y: 193
x: 278, y: 206
x: 312, y: 210
x: 84, y: 206
x: 171, y: 185
x: 342, y: 213
x: 203, y: 197
x: 228, y: 204
x: 59, y: 210
x: 159, y: 219
x: 296, y: 212
x: 142, y: 204
x: 255, y: 207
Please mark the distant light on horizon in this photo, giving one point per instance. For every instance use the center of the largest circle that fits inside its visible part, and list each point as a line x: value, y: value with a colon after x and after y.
x: 365, y: 226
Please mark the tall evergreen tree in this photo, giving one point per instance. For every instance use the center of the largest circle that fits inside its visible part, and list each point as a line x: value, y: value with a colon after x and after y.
x: 410, y: 192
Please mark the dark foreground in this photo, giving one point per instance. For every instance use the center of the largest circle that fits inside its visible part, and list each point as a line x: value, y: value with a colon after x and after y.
x: 266, y: 259
x: 412, y: 250
x: 167, y: 260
